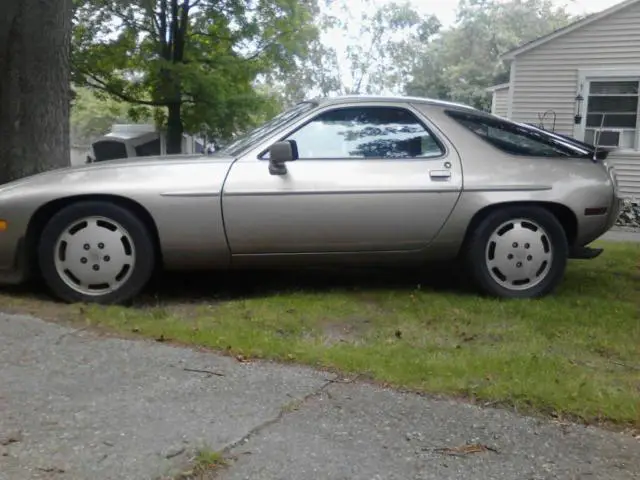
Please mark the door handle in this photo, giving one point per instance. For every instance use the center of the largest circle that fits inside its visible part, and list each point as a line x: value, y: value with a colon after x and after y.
x: 442, y: 174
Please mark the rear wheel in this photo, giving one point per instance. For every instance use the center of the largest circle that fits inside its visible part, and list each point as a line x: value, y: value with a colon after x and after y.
x: 518, y: 252
x: 96, y: 252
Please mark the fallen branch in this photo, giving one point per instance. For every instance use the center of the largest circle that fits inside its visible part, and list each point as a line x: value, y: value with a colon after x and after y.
x: 625, y: 365
x: 15, y: 437
x: 348, y: 380
x: 50, y: 469
x: 208, y: 372
x: 465, y: 449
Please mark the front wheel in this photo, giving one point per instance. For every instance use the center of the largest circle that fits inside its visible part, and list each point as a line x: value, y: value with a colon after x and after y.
x: 518, y: 252
x: 96, y: 252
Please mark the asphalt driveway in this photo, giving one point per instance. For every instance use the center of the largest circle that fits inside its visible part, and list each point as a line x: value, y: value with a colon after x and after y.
x: 620, y: 234
x: 75, y: 405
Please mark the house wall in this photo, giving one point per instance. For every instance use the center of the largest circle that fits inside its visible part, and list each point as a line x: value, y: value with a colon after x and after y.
x: 627, y: 168
x: 547, y: 78
x: 500, y: 102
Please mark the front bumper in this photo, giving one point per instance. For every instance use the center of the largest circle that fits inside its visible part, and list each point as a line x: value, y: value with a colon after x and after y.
x: 15, y: 271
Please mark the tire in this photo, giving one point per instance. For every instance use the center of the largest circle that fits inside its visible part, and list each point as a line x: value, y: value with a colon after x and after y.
x: 504, y: 250
x: 96, y: 252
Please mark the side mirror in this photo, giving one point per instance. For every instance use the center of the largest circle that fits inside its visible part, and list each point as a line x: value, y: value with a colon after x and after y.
x: 279, y: 154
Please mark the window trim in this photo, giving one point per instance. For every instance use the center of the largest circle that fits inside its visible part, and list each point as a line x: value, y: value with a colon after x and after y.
x: 340, y: 106
x: 585, y: 77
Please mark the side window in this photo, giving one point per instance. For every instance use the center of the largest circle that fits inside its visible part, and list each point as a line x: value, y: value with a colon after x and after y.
x: 366, y: 132
x: 509, y: 137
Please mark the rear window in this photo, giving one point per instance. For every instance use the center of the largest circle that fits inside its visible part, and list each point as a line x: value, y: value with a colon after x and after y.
x: 510, y: 137
x: 148, y: 149
x: 109, y: 150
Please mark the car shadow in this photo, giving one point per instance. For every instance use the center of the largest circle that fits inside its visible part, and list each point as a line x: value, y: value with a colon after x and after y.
x: 239, y: 284
x: 168, y: 288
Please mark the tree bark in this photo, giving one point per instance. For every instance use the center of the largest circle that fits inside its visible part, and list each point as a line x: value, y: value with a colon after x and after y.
x: 35, y: 40
x: 174, y: 129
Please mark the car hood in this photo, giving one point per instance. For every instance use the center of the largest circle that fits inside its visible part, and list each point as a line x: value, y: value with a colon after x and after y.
x: 137, y: 162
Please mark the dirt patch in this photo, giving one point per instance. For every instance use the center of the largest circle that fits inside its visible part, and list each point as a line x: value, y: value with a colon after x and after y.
x: 349, y: 330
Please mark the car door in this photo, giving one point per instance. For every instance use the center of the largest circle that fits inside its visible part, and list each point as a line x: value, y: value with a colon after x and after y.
x: 369, y: 178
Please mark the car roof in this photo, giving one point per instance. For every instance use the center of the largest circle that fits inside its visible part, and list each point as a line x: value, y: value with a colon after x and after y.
x: 388, y: 98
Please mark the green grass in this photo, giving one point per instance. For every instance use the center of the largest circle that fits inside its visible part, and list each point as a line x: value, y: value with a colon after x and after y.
x: 203, y: 466
x: 575, y: 354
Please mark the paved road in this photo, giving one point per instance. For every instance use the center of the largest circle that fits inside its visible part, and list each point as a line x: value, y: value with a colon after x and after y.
x: 78, y: 406
x: 622, y: 235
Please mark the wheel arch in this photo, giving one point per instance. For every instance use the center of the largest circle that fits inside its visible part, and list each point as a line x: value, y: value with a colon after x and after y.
x: 39, y: 218
x: 563, y: 214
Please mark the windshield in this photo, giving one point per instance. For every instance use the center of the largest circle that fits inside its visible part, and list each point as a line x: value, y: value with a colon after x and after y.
x: 266, y: 129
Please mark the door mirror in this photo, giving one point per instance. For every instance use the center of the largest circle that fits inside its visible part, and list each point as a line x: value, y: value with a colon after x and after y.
x: 279, y: 154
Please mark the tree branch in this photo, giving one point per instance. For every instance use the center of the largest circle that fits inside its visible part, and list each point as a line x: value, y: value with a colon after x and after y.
x: 173, y: 26
x: 127, y: 21
x: 164, y: 46
x: 149, y: 6
x: 98, y: 83
x: 265, y: 46
x: 365, y: 67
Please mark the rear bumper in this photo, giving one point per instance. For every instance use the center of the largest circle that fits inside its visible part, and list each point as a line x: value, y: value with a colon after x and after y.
x: 616, y: 208
x: 585, y: 253
x: 592, y: 227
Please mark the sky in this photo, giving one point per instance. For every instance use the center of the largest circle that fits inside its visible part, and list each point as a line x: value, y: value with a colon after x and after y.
x: 445, y: 10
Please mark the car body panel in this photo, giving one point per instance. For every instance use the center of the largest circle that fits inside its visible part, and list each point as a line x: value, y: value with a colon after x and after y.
x: 228, y: 211
x: 492, y: 177
x: 338, y: 205
x: 176, y: 191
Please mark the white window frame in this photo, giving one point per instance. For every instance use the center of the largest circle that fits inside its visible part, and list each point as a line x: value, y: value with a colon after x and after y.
x: 586, y: 76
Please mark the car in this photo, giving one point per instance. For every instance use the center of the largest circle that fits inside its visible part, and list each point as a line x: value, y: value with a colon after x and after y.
x: 351, y: 180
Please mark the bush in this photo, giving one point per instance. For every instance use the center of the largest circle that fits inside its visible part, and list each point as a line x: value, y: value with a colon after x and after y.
x: 630, y: 214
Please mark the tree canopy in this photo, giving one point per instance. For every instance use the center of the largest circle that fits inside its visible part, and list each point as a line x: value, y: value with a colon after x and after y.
x: 221, y: 66
x: 192, y: 63
x: 376, y: 56
x: 464, y: 60
x: 392, y: 47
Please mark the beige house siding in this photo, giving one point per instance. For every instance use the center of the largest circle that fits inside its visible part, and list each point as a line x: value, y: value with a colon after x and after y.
x: 500, y: 102
x: 547, y: 78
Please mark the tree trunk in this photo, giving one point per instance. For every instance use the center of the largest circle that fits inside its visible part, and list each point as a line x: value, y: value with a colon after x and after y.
x: 34, y: 86
x: 174, y: 129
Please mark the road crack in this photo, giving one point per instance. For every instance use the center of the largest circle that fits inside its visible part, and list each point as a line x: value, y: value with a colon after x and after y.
x: 284, y: 410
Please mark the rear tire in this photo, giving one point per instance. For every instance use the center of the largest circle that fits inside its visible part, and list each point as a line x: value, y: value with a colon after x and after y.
x: 517, y: 252
x: 96, y: 252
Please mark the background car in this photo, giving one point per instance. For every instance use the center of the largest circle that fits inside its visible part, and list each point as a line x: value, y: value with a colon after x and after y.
x: 348, y: 180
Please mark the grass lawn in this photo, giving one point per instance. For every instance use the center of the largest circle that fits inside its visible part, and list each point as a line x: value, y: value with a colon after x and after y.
x: 575, y: 354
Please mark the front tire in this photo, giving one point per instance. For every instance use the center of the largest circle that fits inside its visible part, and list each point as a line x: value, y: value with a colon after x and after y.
x: 96, y: 252
x: 518, y: 252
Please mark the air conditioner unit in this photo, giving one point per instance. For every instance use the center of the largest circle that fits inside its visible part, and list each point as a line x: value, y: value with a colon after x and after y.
x: 608, y: 137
